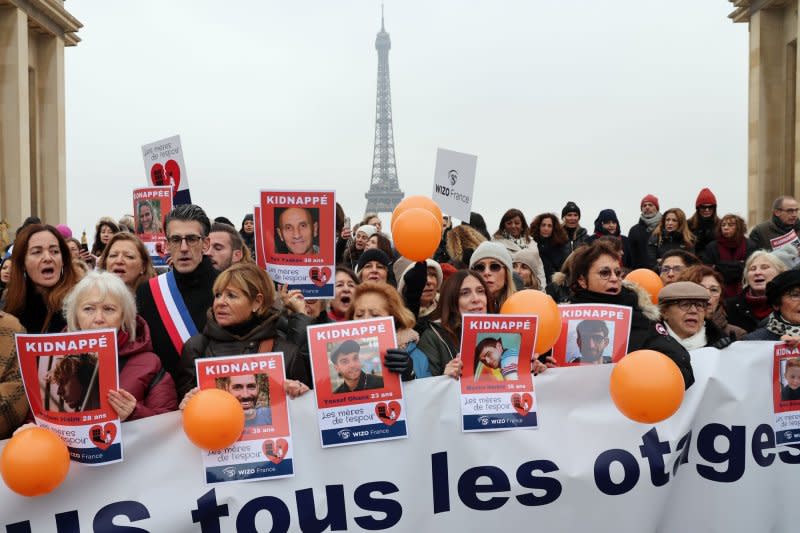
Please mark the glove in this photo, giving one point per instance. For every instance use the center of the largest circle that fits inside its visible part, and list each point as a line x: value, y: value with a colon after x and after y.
x: 399, y: 362
x: 723, y: 342
x: 416, y: 278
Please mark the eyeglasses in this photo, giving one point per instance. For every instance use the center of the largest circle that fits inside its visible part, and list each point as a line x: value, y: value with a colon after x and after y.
x: 191, y: 240
x: 792, y: 211
x: 714, y: 290
x: 793, y: 295
x: 605, y: 273
x: 685, y: 305
x: 707, y: 207
x: 493, y: 267
x: 668, y: 269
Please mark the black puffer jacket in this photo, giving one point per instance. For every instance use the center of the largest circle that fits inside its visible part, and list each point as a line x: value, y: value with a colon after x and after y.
x: 646, y: 332
x: 216, y: 341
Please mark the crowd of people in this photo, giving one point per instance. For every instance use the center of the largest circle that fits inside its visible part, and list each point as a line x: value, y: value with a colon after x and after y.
x: 721, y: 284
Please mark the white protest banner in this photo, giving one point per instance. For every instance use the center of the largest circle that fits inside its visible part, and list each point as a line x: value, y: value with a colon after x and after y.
x: 713, y: 466
x: 163, y: 165
x: 454, y: 182
x: 67, y: 377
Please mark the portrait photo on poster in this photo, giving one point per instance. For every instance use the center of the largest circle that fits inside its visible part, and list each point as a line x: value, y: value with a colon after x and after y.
x: 69, y: 384
x: 789, y: 379
x: 496, y: 357
x: 297, y: 230
x: 252, y: 391
x: 590, y: 341
x: 148, y: 217
x: 355, y: 365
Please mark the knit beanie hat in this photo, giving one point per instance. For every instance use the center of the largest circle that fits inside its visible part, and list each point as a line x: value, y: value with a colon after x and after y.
x: 431, y: 264
x: 649, y: 198
x: 571, y: 207
x: 373, y: 254
x: 528, y: 258
x: 706, y: 197
x: 492, y: 250
x: 65, y: 231
x: 368, y: 229
x: 787, y: 254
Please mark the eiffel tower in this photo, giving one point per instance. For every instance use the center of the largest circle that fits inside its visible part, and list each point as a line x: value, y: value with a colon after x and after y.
x: 384, y: 191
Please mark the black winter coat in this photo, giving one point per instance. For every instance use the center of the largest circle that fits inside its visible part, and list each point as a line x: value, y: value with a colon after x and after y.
x: 195, y: 288
x: 739, y: 314
x: 216, y: 341
x: 704, y: 233
x: 638, y: 238
x: 671, y: 241
x: 645, y: 333
x: 552, y: 256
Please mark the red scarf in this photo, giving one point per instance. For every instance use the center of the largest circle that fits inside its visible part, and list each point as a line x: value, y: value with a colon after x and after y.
x: 758, y: 305
x: 730, y: 250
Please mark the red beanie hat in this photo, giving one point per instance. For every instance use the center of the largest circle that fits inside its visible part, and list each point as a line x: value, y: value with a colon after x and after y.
x: 447, y: 270
x: 649, y: 198
x: 706, y: 197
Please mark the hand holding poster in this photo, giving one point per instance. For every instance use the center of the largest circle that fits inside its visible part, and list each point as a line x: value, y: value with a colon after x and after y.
x: 67, y: 377
x: 297, y: 230
x: 264, y: 451
x: 592, y: 334
x: 163, y: 165
x: 496, y: 382
x: 358, y: 398
x: 150, y: 206
x: 454, y: 182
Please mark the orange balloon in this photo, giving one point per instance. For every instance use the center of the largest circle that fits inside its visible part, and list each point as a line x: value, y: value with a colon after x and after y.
x: 531, y: 302
x: 412, y: 202
x: 648, y: 280
x: 417, y: 234
x: 647, y: 386
x: 34, y: 462
x: 213, y: 419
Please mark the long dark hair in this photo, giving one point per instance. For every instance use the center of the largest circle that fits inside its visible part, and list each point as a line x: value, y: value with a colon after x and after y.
x: 448, y: 311
x: 510, y: 215
x: 559, y: 236
x: 19, y: 285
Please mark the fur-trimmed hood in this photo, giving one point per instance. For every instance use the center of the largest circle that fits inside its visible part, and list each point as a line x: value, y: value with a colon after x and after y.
x: 646, y: 305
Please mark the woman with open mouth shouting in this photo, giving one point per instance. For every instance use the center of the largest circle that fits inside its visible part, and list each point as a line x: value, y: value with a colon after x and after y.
x: 42, y: 275
x: 748, y: 309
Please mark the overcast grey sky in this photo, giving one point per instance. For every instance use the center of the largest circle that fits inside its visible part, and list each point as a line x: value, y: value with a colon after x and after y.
x: 596, y: 102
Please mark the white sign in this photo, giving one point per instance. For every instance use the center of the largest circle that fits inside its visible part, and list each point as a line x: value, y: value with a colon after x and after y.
x: 454, y: 182
x: 163, y: 165
x: 713, y: 466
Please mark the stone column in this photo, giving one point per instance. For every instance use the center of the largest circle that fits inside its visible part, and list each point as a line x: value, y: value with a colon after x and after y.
x: 51, y: 142
x: 15, y: 202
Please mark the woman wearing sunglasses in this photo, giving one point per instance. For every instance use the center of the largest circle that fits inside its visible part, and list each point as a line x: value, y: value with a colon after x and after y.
x: 595, y: 278
x: 493, y: 263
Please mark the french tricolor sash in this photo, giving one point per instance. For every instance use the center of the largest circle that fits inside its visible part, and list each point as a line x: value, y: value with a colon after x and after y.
x: 172, y: 309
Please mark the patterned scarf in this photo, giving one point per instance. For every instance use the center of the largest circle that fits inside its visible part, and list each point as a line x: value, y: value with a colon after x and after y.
x: 779, y: 326
x: 522, y: 241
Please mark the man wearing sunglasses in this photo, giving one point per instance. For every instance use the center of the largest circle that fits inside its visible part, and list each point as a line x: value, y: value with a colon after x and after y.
x: 174, y: 305
x: 592, y: 340
x: 784, y: 221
